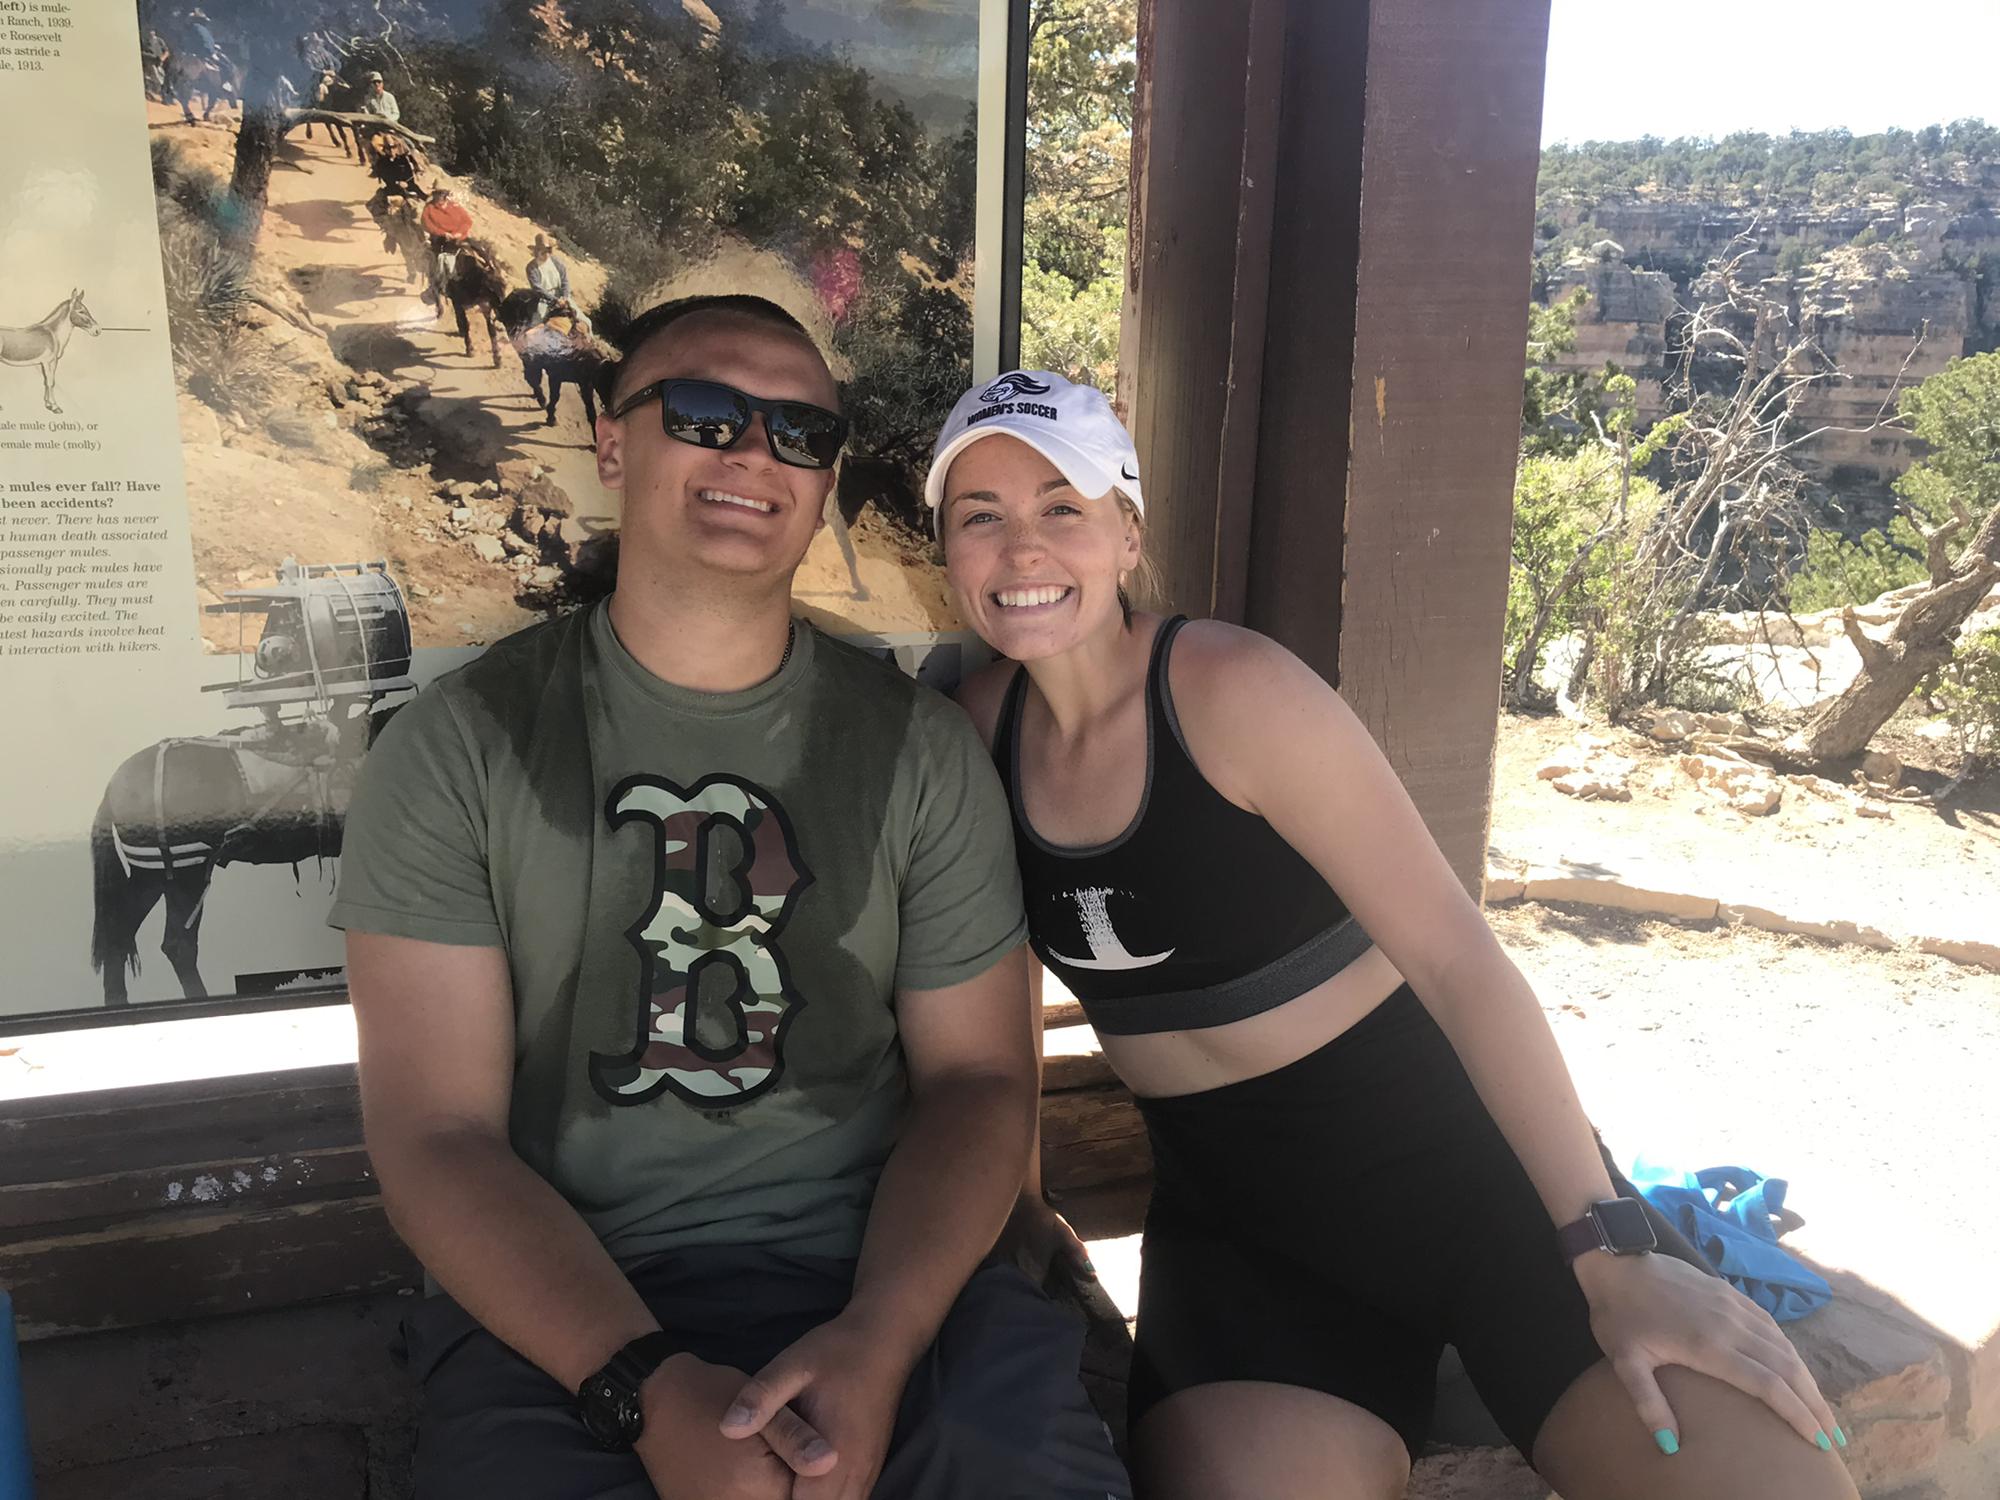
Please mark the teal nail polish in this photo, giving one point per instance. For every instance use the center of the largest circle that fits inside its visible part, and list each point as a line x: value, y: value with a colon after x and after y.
x: 1823, y: 1442
x: 1839, y: 1436
x: 1669, y: 1444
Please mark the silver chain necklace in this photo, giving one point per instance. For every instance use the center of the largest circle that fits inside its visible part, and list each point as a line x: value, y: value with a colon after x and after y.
x: 791, y: 635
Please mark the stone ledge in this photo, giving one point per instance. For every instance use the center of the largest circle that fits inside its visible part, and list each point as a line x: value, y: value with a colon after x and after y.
x: 1599, y: 890
x: 1515, y: 880
x: 1833, y: 930
x: 1869, y: 1364
x: 1981, y: 1419
x: 1894, y: 1450
x: 1963, y: 951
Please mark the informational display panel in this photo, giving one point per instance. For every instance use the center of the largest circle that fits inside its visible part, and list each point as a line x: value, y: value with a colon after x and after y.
x: 276, y: 450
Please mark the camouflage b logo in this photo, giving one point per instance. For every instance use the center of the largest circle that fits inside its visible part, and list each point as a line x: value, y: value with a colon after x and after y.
x: 726, y: 876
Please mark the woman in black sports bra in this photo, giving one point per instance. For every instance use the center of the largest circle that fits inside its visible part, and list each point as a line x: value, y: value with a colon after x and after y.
x: 1366, y: 1145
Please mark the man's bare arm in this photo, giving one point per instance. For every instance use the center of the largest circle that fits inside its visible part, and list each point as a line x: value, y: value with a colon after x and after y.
x: 962, y: 1155
x: 437, y: 1065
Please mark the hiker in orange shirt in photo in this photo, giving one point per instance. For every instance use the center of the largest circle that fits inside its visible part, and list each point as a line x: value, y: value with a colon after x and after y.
x: 449, y: 224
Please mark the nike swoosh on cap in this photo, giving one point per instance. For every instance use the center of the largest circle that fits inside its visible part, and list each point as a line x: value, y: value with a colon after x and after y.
x: 1125, y: 473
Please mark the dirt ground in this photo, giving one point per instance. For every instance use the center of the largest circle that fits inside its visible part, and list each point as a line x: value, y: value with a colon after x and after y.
x: 1863, y: 1078
x: 360, y: 480
x: 1930, y: 870
x: 1858, y: 1075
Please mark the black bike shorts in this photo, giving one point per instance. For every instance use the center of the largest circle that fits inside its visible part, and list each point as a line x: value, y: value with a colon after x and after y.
x: 1336, y: 1222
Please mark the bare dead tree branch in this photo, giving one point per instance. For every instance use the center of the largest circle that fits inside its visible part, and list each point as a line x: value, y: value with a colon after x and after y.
x: 1873, y: 657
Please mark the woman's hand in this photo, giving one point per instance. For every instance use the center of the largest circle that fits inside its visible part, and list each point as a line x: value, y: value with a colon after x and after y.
x: 1036, y: 1237
x: 1653, y: 1310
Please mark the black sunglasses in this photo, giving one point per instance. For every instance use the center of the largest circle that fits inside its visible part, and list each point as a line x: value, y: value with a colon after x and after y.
x: 710, y: 415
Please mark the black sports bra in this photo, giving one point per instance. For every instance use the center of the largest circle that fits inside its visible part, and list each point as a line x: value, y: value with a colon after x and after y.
x: 1196, y: 915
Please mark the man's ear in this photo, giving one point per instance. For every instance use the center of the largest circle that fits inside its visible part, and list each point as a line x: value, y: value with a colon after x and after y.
x: 610, y: 452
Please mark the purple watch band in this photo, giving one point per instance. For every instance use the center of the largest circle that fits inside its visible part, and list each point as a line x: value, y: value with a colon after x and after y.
x: 1617, y: 1225
x: 1579, y: 1237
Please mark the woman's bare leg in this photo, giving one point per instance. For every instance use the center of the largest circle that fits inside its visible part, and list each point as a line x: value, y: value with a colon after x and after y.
x: 1732, y: 1447
x: 1249, y: 1440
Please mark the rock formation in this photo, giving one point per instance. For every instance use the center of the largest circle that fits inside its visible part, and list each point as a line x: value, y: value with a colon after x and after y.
x: 1624, y: 323
x: 1923, y: 277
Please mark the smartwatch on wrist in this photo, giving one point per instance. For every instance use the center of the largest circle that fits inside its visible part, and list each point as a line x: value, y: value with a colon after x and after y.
x: 609, y: 1400
x: 1617, y: 1225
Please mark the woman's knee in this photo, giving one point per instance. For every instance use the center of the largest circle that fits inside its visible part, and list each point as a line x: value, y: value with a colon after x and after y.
x: 1249, y: 1440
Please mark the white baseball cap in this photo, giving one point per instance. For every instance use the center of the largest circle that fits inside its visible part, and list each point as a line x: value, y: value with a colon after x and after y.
x: 1072, y: 426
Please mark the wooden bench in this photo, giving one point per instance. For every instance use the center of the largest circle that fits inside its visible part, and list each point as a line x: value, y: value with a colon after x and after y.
x: 131, y: 1221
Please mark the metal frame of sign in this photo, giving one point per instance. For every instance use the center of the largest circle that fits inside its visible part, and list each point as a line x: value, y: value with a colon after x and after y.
x: 1002, y: 186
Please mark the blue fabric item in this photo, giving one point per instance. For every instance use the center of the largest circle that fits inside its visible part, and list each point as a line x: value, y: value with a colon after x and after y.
x: 16, y: 1482
x: 1734, y: 1217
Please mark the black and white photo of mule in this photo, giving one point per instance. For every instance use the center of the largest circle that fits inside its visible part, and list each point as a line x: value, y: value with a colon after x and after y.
x: 334, y: 649
x: 43, y: 343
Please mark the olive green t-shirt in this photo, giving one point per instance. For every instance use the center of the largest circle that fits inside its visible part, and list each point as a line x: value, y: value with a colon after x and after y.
x: 708, y: 903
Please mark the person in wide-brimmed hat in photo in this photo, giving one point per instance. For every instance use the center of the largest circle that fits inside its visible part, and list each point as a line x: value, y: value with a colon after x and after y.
x: 548, y: 277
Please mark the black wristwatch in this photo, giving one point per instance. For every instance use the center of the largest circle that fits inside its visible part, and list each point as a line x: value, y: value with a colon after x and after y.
x: 1618, y: 1225
x: 609, y: 1400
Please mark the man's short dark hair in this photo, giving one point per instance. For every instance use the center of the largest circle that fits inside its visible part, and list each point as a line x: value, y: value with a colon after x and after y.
x: 657, y: 319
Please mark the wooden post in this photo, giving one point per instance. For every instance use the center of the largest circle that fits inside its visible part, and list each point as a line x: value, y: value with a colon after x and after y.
x: 1332, y: 220
x: 1452, y: 144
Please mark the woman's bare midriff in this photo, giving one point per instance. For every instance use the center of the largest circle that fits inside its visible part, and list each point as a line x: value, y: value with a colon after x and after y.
x: 1163, y: 1063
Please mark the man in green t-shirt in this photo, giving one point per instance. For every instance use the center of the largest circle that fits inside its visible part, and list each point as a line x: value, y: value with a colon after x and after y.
x: 685, y: 945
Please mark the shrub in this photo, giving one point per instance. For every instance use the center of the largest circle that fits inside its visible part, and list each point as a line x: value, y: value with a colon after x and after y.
x: 208, y: 284
x: 1074, y: 330
x: 1836, y: 571
x: 1969, y: 693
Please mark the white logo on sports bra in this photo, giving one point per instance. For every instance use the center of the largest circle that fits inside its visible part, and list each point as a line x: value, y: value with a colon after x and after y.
x: 1107, y: 949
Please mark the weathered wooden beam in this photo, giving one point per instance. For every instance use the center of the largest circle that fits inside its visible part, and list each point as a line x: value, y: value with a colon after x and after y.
x: 1193, y: 227
x: 141, y: 1206
x: 255, y: 1115
x: 164, y: 1267
x: 1451, y: 147
x: 1295, y: 547
x: 1333, y: 207
x: 1061, y: 1013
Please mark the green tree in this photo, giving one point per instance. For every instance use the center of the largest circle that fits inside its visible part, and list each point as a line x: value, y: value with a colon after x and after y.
x: 1956, y: 415
x: 1073, y: 330
x: 1558, y: 406
x: 1083, y: 66
x: 1082, y: 69
x: 1835, y: 571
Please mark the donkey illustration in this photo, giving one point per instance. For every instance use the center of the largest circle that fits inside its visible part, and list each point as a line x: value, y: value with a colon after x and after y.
x: 43, y: 343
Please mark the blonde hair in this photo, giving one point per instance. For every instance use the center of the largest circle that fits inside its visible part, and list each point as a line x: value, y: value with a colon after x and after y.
x: 1144, y: 588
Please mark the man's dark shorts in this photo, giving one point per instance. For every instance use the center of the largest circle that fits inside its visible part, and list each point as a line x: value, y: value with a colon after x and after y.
x: 993, y: 1411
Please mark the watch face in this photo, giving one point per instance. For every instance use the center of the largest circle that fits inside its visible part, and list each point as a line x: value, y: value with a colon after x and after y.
x: 610, y: 1415
x: 1625, y: 1227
